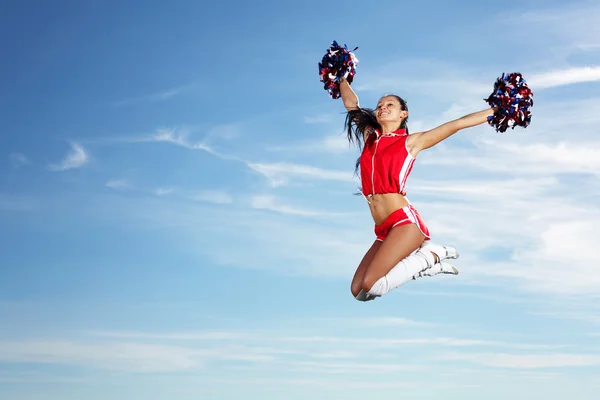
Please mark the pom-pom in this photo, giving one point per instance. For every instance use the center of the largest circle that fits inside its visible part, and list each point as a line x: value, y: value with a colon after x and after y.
x: 514, y: 100
x: 336, y: 63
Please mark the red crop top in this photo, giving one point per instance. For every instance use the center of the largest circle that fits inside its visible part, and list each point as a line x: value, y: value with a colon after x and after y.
x: 385, y: 163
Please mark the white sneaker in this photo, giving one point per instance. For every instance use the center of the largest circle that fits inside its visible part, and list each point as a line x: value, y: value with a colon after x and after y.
x: 438, y: 268
x: 443, y: 252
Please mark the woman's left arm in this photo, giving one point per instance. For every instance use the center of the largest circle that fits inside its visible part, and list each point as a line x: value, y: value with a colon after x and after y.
x: 424, y: 140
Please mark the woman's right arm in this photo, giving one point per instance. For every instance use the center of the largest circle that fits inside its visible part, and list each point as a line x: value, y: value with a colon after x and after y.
x: 349, y: 98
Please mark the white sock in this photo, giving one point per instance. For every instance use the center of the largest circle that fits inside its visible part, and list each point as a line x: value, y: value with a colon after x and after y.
x: 403, y: 272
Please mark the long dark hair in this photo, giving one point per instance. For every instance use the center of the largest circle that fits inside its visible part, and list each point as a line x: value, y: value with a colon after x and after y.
x: 363, y: 120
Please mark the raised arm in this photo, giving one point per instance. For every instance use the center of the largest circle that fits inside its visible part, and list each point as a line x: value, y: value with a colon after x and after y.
x: 351, y: 103
x: 349, y: 98
x: 424, y: 140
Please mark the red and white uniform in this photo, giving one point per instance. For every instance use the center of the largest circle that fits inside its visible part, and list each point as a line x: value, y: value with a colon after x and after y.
x: 385, y: 165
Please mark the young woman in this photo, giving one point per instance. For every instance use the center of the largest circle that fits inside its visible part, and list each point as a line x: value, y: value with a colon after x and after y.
x: 402, y: 250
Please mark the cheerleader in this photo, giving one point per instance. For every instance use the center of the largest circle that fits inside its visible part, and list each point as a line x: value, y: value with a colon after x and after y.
x: 402, y: 249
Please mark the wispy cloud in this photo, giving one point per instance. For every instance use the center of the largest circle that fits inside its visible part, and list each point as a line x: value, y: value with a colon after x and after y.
x: 582, y: 309
x: 181, y: 137
x: 369, y: 322
x: 18, y: 160
x: 272, y: 204
x: 539, y: 227
x: 542, y: 159
x: 564, y: 77
x: 36, y: 377
x: 327, y: 384
x: 588, y: 46
x: 320, y: 119
x: 158, y: 96
x: 178, y: 138
x: 77, y: 158
x: 393, y: 321
x: 135, y: 357
x: 482, y: 189
x: 528, y: 361
x: 212, y: 196
x: 351, y: 367
x: 328, y: 144
x: 213, y: 335
x: 564, y: 21
x: 280, y: 174
x: 163, y: 191
x: 421, y: 341
x: 120, y: 184
x: 142, y: 352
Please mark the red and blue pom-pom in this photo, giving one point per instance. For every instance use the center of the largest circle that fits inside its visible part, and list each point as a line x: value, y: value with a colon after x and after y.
x: 336, y: 63
x: 514, y: 100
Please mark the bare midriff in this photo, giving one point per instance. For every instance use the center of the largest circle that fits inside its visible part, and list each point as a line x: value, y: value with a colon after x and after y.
x: 382, y: 205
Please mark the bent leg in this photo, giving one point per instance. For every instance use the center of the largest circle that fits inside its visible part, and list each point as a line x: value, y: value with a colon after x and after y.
x: 362, y: 267
x: 397, y: 260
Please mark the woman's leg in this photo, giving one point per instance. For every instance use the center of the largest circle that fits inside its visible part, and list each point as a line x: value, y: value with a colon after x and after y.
x: 400, y: 243
x: 422, y: 262
x: 362, y: 267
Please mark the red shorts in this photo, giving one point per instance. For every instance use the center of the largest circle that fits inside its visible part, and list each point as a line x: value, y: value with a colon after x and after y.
x: 405, y: 215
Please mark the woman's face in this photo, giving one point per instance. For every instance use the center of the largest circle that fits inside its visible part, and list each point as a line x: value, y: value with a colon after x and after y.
x: 389, y: 110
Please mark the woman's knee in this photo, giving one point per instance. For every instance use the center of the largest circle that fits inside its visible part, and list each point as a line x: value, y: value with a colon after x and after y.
x: 367, y: 282
x: 355, y: 288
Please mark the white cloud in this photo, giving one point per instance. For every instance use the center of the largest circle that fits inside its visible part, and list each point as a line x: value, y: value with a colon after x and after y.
x: 531, y: 193
x: 134, y: 357
x: 158, y: 96
x: 130, y: 356
x: 319, y: 119
x: 36, y: 377
x: 561, y: 262
x: 351, y: 367
x: 588, y: 46
x: 119, y: 184
x: 573, y: 22
x: 324, y: 385
x: 224, y: 132
x: 271, y: 204
x: 328, y: 144
x: 280, y: 174
x: 215, y: 335
x: 162, y: 191
x: 182, y: 138
x: 564, y: 77
x: 77, y: 158
x: 277, y: 173
x: 528, y: 361
x: 138, y: 352
x: 537, y: 159
x: 213, y: 196
x: 517, y: 188
x: 335, y: 355
x: 548, y: 243
x: 18, y: 160
x: 393, y: 321
x: 380, y: 342
x: 179, y: 139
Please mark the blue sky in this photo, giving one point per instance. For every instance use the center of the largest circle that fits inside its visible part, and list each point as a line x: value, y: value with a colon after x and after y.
x: 177, y: 217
